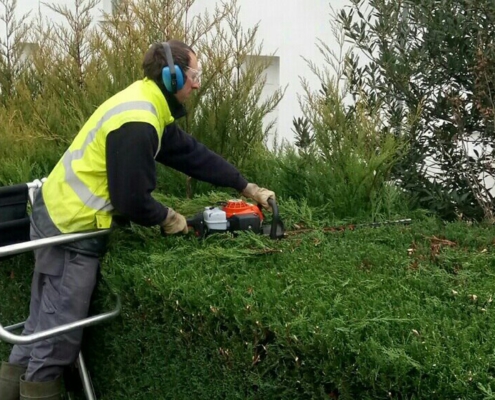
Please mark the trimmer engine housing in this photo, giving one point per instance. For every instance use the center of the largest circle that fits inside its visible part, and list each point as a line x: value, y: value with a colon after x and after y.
x: 236, y: 215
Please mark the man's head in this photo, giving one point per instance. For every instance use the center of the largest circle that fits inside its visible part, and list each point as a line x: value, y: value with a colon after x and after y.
x: 183, y: 57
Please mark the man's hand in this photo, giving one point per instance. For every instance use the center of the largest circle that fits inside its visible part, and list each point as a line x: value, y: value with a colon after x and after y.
x: 174, y: 223
x: 260, y: 195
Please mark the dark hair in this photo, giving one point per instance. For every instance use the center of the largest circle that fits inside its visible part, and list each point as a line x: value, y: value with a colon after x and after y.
x: 155, y: 59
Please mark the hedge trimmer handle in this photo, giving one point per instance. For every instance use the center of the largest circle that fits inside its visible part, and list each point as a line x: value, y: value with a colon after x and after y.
x: 276, y: 230
x: 196, y: 224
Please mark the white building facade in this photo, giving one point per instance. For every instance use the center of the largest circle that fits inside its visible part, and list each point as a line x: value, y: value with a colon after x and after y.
x: 288, y: 30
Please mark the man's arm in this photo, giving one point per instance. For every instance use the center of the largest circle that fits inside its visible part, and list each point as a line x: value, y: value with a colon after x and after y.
x: 184, y: 153
x: 131, y: 172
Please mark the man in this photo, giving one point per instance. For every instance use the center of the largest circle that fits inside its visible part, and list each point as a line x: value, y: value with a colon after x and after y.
x: 109, y: 170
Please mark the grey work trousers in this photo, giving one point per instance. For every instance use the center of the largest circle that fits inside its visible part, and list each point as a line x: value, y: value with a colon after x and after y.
x: 62, y: 286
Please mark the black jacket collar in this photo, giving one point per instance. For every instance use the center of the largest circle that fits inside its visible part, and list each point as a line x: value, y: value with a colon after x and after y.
x: 178, y: 110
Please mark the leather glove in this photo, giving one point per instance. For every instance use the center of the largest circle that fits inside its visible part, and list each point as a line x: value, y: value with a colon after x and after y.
x: 174, y: 223
x: 260, y: 195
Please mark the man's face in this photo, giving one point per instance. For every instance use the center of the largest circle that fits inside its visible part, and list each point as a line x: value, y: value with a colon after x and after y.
x: 192, y: 82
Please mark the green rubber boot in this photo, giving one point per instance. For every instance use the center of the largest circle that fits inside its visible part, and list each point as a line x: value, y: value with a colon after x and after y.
x: 10, y: 375
x: 51, y: 390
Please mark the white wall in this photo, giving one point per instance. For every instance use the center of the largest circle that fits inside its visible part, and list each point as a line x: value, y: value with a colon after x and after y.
x: 288, y: 28
x: 24, y: 6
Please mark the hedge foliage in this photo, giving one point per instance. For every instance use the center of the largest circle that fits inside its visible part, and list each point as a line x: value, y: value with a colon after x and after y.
x: 401, y: 312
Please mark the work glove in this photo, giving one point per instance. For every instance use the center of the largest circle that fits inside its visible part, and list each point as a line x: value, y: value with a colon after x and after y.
x: 260, y: 195
x: 174, y: 223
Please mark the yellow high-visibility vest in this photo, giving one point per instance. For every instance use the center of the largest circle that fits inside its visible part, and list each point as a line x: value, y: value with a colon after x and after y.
x: 76, y: 192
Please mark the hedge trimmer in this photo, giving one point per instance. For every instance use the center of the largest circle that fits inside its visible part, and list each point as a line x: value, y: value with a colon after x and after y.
x: 234, y: 216
x: 238, y: 215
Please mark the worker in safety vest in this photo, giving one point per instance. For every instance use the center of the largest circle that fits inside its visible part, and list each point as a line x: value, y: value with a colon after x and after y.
x: 109, y: 170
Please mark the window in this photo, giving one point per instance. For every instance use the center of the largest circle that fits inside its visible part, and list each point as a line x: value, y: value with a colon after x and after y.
x: 27, y: 50
x: 110, y: 6
x: 272, y: 84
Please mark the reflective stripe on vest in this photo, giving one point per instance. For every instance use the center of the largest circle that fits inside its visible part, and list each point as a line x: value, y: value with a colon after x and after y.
x: 83, y: 192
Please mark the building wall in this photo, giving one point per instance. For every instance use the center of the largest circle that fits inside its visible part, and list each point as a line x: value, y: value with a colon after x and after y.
x: 290, y: 30
x: 287, y: 29
x: 34, y: 6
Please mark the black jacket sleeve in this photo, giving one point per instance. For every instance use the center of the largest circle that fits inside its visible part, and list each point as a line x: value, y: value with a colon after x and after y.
x: 183, y: 152
x: 131, y: 172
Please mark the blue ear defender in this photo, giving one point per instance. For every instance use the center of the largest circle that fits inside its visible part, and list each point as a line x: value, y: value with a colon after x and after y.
x: 172, y: 75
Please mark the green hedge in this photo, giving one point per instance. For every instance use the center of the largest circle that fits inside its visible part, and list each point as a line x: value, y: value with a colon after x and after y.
x: 381, y: 313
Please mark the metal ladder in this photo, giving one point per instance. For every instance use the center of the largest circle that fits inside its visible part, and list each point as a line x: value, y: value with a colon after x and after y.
x: 6, y: 334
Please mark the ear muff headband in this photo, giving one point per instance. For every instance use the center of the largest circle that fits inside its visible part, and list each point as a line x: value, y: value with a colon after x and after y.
x: 172, y: 75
